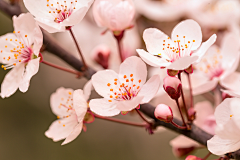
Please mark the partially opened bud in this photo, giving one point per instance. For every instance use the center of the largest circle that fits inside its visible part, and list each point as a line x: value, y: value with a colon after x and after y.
x: 163, y: 113
x: 116, y: 15
x: 101, y: 55
x: 191, y: 157
x: 172, y: 86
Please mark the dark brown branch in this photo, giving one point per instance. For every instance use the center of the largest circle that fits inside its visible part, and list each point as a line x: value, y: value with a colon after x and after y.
x: 54, y: 47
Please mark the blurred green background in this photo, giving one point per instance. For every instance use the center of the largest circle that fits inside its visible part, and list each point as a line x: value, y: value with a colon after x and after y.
x: 25, y: 117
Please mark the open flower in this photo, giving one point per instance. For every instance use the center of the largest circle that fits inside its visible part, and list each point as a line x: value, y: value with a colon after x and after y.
x: 70, y: 107
x: 19, y: 50
x: 56, y: 15
x: 123, y: 91
x: 227, y: 138
x: 179, y: 52
x: 116, y: 15
x: 218, y: 66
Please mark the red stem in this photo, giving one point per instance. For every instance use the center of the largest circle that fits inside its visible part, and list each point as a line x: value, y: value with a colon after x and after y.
x: 143, y: 118
x: 119, y: 43
x: 190, y: 88
x: 62, y: 68
x: 176, y: 125
x: 207, y: 156
x: 184, y: 123
x: 121, y: 121
x: 78, y: 48
x: 183, y: 99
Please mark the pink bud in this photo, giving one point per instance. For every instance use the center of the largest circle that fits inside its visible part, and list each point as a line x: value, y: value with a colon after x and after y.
x: 163, y: 113
x: 116, y: 15
x: 191, y: 157
x: 180, y: 152
x: 172, y: 86
x: 101, y: 54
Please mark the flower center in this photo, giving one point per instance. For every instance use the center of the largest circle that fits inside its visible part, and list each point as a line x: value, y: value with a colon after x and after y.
x: 61, y: 10
x: 124, y: 90
x: 173, y: 50
x: 19, y: 51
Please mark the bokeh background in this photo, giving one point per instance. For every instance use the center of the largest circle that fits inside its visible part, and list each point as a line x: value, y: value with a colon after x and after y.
x: 25, y: 117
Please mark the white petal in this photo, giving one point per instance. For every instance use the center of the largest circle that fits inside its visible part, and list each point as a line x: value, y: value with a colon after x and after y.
x: 31, y: 69
x: 135, y: 66
x: 153, y: 39
x: 103, y: 107
x: 204, y: 47
x: 183, y: 63
x: 219, y: 146
x: 79, y: 104
x: 12, y: 81
x: 76, y: 131
x: 59, y: 97
x: 208, y: 86
x: 231, y: 82
x: 87, y: 89
x: 62, y: 128
x: 232, y: 93
x: 129, y: 105
x: 50, y: 26
x: 152, y: 60
x: 100, y: 82
x: 191, y: 30
x: 26, y: 24
x: 183, y: 142
x: 149, y: 89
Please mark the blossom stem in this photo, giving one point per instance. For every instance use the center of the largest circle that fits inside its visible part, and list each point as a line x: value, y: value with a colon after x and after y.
x: 184, y: 123
x: 183, y: 99
x: 176, y: 125
x: 190, y: 88
x: 63, y: 69
x: 207, y: 156
x: 143, y: 118
x: 120, y: 121
x: 119, y: 37
x: 217, y: 96
x: 78, y: 48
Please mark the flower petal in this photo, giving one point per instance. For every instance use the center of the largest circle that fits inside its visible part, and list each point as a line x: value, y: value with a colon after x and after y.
x: 12, y: 81
x: 149, y: 89
x: 129, y: 105
x: 57, y: 98
x: 31, y: 69
x: 79, y: 104
x: 191, y: 30
x: 154, y: 40
x: 76, y: 131
x: 50, y: 26
x: 231, y: 82
x: 183, y: 63
x: 208, y: 86
x: 102, y: 79
x: 204, y: 47
x: 62, y: 128
x: 232, y: 93
x: 152, y: 60
x: 131, y: 67
x: 103, y: 107
x: 220, y: 146
x: 87, y: 89
x: 183, y: 142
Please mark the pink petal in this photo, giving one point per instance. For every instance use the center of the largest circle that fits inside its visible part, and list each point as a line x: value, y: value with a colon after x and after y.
x: 79, y: 104
x: 183, y: 63
x: 73, y: 135
x: 128, y: 105
x: 87, y: 89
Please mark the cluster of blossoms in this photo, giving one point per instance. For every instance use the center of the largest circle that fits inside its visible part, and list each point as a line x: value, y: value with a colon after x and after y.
x: 187, y: 61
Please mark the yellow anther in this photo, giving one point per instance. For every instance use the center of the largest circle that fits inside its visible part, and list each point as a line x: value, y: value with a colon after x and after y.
x: 178, y: 40
x: 193, y: 40
x: 111, y: 89
x: 131, y: 75
x: 70, y: 93
x: 115, y: 79
x: 64, y: 125
x: 111, y: 96
x: 108, y: 84
x: 109, y: 100
x: 25, y: 35
x: 124, y: 76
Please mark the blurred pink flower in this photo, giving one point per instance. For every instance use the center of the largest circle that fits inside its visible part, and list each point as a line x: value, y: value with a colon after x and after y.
x: 116, y: 15
x: 20, y: 50
x: 55, y: 15
x: 71, y: 109
x: 217, y: 66
x: 100, y: 54
x: 123, y: 91
x: 176, y: 53
x: 227, y: 133
x: 191, y: 157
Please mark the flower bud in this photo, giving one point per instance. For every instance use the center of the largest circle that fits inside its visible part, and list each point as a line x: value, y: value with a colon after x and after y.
x: 191, y: 157
x: 116, y: 15
x: 163, y: 113
x: 172, y: 86
x: 180, y: 152
x: 101, y: 55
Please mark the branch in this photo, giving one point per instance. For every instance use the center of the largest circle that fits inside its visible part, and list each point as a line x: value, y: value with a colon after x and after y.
x: 54, y: 47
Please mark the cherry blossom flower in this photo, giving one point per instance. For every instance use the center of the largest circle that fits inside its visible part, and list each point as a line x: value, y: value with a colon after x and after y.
x: 205, y: 120
x: 169, y: 10
x: 227, y: 138
x: 56, y: 15
x: 123, y: 91
x: 179, y: 52
x: 20, y: 50
x: 116, y: 15
x: 70, y: 107
x: 217, y: 66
